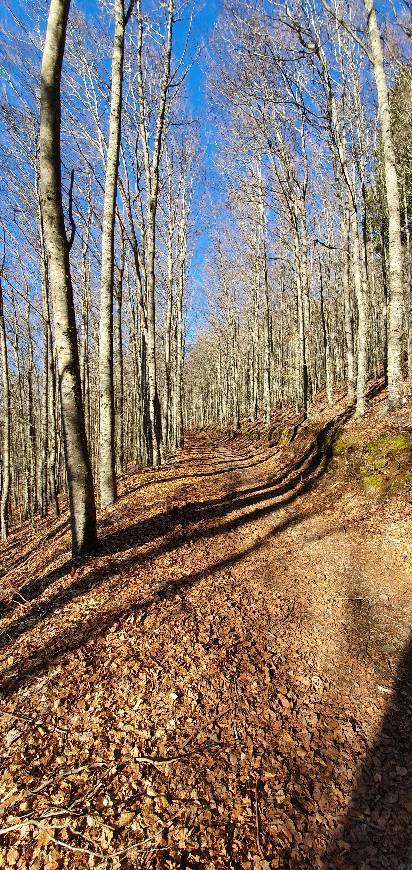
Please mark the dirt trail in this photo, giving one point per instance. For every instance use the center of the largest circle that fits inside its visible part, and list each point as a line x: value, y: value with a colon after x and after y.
x: 227, y: 684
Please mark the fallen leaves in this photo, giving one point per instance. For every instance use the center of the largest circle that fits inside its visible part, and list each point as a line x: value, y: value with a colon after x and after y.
x: 204, y: 695
x: 124, y: 819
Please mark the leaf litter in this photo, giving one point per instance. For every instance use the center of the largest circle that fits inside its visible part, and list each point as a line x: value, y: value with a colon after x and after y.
x: 227, y: 683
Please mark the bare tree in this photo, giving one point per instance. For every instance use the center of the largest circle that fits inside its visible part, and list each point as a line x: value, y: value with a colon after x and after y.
x: 107, y: 471
x: 78, y: 468
x: 5, y: 463
x: 395, y: 313
x: 152, y: 168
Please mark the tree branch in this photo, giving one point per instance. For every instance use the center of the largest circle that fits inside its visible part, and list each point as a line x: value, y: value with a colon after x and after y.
x: 348, y: 28
x: 70, y: 240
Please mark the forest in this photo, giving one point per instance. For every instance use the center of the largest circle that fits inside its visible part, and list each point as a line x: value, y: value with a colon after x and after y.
x: 206, y: 434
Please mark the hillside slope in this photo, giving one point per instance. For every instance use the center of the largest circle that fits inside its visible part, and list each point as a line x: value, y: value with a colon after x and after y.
x: 228, y: 683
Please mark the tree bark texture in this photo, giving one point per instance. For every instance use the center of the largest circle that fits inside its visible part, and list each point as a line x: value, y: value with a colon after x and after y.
x: 78, y: 467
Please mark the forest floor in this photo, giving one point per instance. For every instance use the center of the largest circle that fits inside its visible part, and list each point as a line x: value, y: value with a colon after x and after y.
x: 228, y: 682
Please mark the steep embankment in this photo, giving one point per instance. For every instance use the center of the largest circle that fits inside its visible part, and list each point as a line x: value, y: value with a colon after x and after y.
x: 227, y: 683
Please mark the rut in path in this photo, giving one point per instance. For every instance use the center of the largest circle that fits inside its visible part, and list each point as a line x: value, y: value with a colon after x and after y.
x: 241, y: 623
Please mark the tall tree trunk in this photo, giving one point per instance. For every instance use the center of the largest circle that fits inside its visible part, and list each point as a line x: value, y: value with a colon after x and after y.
x: 302, y: 365
x: 84, y: 331
x: 338, y: 138
x: 45, y: 415
x: 31, y: 419
x: 46, y: 352
x: 118, y: 344
x: 255, y: 342
x: 347, y: 312
x: 169, y: 308
x: 267, y: 399
x: 152, y: 186
x: 167, y: 343
x: 177, y: 397
x: 395, y: 309
x: 79, y: 474
x: 303, y: 263
x: 5, y: 470
x: 52, y: 464
x: 327, y: 363
x: 408, y: 289
x: 24, y: 475
x: 235, y: 372
x: 107, y: 471
x: 154, y: 421
x: 361, y: 375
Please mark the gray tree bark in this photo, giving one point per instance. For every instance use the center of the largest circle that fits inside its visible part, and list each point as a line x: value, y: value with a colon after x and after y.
x: 79, y: 474
x: 107, y: 465
x: 267, y: 398
x: 118, y: 355
x: 5, y: 471
x: 350, y: 358
x: 152, y: 185
x: 395, y: 308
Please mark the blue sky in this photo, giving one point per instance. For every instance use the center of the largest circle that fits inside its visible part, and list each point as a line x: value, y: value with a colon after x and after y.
x: 202, y: 26
x: 196, y: 85
x: 207, y: 193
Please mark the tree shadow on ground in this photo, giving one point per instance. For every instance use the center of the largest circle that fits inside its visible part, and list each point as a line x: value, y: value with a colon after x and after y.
x: 197, y: 520
x: 215, y: 472
x: 295, y: 480
x: 244, y: 461
x: 377, y: 830
x: 295, y: 424
x: 194, y: 517
x: 57, y: 531
x: 98, y: 623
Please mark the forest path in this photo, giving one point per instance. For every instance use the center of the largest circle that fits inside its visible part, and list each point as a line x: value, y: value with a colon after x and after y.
x: 214, y: 687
